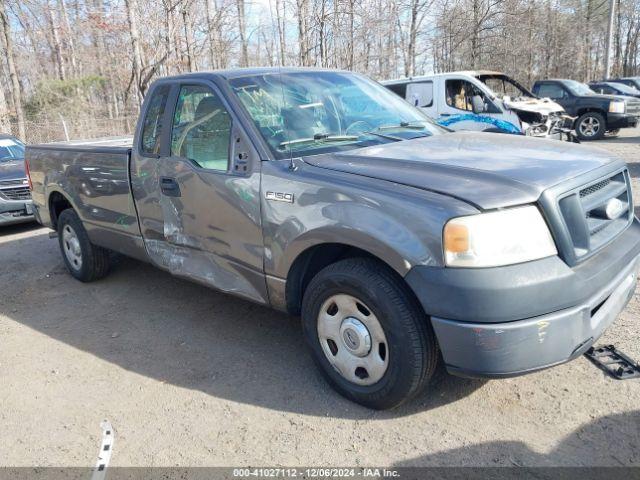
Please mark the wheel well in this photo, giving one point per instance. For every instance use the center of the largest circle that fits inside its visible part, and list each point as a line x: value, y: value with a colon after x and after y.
x: 589, y: 110
x: 309, y: 263
x: 57, y: 204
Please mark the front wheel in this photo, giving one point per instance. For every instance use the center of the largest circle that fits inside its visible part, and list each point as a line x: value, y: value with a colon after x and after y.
x: 591, y: 126
x: 368, y: 334
x: 84, y: 260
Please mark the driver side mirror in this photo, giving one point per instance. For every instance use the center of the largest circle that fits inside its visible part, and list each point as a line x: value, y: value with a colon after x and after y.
x: 478, y: 104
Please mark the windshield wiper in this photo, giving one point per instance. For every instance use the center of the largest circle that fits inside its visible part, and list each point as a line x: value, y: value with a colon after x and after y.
x: 320, y: 137
x: 408, y: 125
x: 382, y: 135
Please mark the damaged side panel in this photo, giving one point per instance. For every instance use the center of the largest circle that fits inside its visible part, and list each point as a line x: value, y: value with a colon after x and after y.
x: 198, y: 197
x: 208, y: 269
x: 212, y: 231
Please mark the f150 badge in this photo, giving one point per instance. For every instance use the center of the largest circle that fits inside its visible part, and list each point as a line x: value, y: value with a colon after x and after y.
x: 280, y: 197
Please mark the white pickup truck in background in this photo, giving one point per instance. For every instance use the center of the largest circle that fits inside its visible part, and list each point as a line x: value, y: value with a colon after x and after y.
x: 483, y: 101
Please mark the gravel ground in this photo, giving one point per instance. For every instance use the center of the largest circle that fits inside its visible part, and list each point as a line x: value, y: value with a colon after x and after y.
x: 191, y: 377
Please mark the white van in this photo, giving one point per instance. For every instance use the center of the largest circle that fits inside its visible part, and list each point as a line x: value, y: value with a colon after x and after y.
x: 483, y: 101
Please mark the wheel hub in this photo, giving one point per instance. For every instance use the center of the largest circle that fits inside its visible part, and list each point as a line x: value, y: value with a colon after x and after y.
x: 355, y: 337
x: 71, y: 247
x: 352, y: 339
x: 590, y: 126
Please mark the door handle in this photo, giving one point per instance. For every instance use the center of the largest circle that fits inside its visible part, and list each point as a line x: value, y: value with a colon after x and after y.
x: 169, y: 187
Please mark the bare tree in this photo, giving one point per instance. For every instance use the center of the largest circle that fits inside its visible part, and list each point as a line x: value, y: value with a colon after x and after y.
x: 108, y: 55
x: 5, y: 125
x: 244, y: 58
x: 132, y: 12
x: 302, y: 13
x: 68, y: 36
x: 281, y: 27
x: 13, y: 73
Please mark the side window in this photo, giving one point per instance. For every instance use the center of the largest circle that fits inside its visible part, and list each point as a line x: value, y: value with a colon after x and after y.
x: 460, y: 93
x: 201, y: 129
x: 152, y: 126
x: 420, y: 94
x: 399, y: 89
x: 551, y: 90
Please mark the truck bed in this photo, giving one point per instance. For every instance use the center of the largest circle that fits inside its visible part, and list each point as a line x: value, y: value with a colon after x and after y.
x: 93, y: 177
x: 102, y: 145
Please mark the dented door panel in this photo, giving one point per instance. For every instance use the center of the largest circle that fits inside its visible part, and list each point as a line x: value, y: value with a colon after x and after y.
x: 212, y: 232
x: 199, y: 223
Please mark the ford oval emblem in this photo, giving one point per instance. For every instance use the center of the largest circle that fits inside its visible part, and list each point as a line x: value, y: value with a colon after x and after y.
x: 614, y: 208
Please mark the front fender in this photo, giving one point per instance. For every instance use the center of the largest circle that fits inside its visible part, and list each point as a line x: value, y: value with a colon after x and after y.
x: 398, y: 252
x: 400, y: 225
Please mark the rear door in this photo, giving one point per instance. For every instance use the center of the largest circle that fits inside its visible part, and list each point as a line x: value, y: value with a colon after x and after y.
x: 203, y: 190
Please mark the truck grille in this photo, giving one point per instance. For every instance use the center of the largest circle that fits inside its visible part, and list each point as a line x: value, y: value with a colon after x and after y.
x: 596, y: 213
x: 15, y: 193
x: 633, y: 108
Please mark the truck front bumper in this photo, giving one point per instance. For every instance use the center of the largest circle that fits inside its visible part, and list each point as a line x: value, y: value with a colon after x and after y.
x: 501, y: 322
x: 13, y: 211
x: 621, y: 120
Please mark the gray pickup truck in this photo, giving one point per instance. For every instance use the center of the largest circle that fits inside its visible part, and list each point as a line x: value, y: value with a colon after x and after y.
x: 323, y: 194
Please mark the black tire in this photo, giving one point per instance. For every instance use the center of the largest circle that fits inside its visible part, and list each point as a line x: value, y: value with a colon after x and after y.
x: 94, y: 259
x: 412, y: 347
x: 582, y: 126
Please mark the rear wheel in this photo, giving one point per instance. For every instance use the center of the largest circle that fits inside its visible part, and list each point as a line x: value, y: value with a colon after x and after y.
x: 591, y: 126
x: 368, y: 334
x: 85, y: 261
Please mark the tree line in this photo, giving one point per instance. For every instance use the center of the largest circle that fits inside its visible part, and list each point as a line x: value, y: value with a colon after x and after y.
x: 92, y: 60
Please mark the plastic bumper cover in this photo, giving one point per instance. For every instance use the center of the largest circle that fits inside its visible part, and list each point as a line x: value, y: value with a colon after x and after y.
x: 515, y: 348
x: 510, y: 320
x: 621, y: 120
x: 16, y: 211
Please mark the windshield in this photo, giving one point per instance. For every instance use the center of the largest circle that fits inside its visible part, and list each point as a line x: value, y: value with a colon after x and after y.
x: 307, y: 113
x: 621, y: 87
x: 11, y: 150
x: 502, y: 86
x: 578, y: 88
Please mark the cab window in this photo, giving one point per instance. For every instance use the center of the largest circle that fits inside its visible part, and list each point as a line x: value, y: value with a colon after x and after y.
x: 152, y: 125
x: 399, y: 89
x: 201, y: 129
x: 551, y: 90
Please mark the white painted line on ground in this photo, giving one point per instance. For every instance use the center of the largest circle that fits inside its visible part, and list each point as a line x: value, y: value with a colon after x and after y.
x: 104, y: 456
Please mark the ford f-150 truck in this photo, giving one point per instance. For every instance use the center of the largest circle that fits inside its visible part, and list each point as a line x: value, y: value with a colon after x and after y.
x: 323, y: 194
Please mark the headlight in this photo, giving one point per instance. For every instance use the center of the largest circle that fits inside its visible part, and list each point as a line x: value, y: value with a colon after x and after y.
x: 497, y: 238
x: 616, y: 107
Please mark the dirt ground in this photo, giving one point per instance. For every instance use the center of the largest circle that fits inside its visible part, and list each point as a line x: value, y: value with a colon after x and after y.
x: 191, y: 377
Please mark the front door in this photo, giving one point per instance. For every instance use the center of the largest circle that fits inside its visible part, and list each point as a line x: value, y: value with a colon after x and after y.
x: 206, y: 193
x: 558, y: 94
x: 460, y: 109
